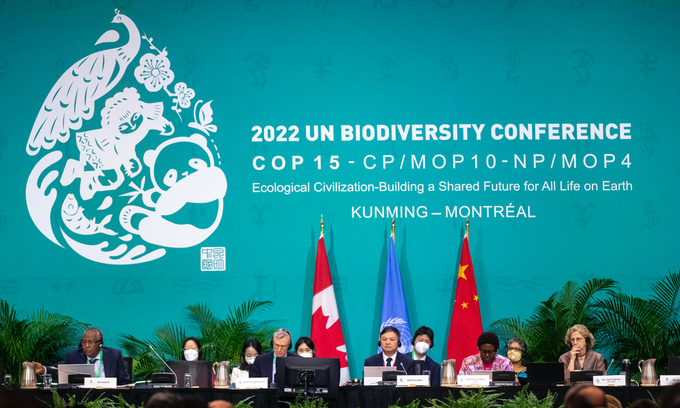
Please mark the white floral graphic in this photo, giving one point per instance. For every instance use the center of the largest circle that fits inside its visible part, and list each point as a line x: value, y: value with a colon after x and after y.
x: 183, y: 96
x: 154, y: 70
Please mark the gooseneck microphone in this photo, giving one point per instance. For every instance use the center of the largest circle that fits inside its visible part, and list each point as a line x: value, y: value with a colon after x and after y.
x: 166, y: 364
x: 404, y: 368
x: 610, y: 366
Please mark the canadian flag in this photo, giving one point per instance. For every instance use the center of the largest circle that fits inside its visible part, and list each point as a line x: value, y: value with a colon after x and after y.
x: 326, y: 330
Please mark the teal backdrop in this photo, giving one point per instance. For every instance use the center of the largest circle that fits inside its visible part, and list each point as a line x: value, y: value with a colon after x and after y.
x: 121, y: 207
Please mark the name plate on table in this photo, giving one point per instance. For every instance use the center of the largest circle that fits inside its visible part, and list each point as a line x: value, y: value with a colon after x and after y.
x: 669, y: 379
x: 93, y: 382
x: 609, y: 380
x: 478, y: 380
x: 413, y: 380
x: 252, y: 382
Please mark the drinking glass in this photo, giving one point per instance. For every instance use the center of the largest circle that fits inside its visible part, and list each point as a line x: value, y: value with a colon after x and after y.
x: 47, y: 381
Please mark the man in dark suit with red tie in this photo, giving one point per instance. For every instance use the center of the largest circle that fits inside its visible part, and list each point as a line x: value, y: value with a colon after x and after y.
x: 108, y: 362
x: 390, y: 356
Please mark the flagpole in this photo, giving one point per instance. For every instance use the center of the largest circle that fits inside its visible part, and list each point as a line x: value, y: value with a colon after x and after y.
x: 392, y: 227
x: 321, y: 225
x: 467, y: 228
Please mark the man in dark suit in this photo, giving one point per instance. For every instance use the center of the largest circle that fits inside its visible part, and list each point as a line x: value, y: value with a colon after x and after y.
x: 390, y: 356
x: 108, y: 362
x: 265, y: 364
x: 423, y: 341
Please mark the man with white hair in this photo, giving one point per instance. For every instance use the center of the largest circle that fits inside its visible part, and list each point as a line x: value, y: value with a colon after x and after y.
x: 265, y: 364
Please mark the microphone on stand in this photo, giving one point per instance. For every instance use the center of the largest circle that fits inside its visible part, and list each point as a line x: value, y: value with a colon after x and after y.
x: 404, y: 368
x: 610, y: 366
x: 166, y: 364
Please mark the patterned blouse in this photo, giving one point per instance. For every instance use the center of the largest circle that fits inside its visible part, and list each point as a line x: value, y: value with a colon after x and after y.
x: 474, y: 363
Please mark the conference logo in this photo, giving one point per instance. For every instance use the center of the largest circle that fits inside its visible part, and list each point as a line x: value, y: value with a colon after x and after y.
x: 127, y: 166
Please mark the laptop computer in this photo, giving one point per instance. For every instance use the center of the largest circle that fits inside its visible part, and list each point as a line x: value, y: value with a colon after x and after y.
x: 545, y: 374
x: 64, y: 370
x: 374, y: 375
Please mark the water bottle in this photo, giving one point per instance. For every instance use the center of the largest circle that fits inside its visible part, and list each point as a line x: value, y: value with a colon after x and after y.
x: 625, y: 370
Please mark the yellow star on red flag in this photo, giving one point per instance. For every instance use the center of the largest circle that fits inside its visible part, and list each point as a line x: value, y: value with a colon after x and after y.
x: 476, y: 298
x: 464, y: 305
x: 461, y: 272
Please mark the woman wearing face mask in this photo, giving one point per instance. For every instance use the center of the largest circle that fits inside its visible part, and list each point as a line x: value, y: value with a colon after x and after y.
x: 304, y: 347
x: 423, y: 341
x: 192, y: 349
x: 517, y: 349
x: 251, y: 349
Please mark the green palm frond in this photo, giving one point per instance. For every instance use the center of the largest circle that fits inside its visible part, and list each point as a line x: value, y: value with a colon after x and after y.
x: 580, y: 311
x: 170, y: 337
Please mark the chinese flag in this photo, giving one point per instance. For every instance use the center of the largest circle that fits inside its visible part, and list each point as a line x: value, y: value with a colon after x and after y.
x: 466, y: 321
x: 326, y: 331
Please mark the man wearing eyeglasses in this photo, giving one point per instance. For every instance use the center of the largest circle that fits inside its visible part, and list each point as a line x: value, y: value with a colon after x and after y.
x: 265, y: 364
x: 108, y: 362
x: 487, y: 358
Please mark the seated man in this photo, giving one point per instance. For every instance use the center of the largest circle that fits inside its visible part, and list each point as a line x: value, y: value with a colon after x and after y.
x: 108, y: 362
x: 390, y: 357
x: 486, y: 359
x: 423, y: 341
x: 265, y: 364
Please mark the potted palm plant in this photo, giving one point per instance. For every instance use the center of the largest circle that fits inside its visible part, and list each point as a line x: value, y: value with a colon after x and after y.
x: 221, y: 339
x: 42, y: 336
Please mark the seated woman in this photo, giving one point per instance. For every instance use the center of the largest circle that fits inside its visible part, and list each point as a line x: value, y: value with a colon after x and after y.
x: 304, y: 347
x: 486, y: 359
x: 581, y: 357
x: 251, y: 349
x: 517, y: 350
x: 192, y: 350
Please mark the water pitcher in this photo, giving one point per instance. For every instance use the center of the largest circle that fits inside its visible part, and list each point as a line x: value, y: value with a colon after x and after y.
x: 221, y: 374
x: 28, y: 375
x: 449, y: 372
x: 648, y: 371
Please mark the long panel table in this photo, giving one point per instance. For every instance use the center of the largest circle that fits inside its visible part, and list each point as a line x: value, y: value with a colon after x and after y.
x: 349, y: 397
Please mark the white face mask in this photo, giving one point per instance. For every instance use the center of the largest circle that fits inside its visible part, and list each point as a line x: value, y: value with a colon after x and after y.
x: 250, y: 360
x: 422, y: 347
x: 191, y: 354
x: 306, y: 355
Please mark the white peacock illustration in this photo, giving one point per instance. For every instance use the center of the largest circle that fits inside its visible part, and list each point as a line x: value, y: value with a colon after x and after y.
x: 108, y: 152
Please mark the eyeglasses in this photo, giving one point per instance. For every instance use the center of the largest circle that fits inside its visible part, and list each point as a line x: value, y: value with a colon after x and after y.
x: 514, y: 349
x: 280, y: 346
x: 487, y: 352
x: 576, y: 339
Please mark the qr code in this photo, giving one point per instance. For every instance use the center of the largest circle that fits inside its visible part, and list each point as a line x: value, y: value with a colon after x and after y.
x: 212, y: 259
